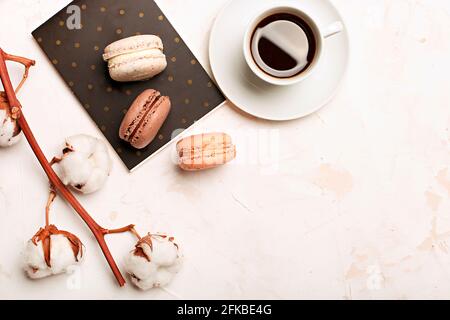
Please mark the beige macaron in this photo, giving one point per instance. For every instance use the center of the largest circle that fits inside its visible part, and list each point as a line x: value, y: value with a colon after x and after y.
x: 135, y: 58
x: 145, y: 118
x: 205, y: 151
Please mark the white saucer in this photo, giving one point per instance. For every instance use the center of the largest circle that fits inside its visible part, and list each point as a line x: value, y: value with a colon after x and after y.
x: 257, y: 97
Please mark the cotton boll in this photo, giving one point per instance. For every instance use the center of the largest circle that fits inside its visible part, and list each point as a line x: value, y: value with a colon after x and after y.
x: 154, y: 262
x: 76, y: 168
x: 62, y: 255
x: 9, y: 130
x: 52, y: 252
x: 143, y: 273
x: 35, y: 265
x: 164, y: 252
x: 85, y: 164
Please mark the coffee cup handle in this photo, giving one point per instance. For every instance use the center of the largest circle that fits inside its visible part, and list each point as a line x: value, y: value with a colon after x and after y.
x: 333, y: 29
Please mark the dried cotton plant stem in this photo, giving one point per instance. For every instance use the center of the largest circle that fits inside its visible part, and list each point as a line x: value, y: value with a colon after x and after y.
x: 129, y: 228
x: 57, y: 184
x: 27, y: 64
x: 50, y: 200
x: 54, y: 161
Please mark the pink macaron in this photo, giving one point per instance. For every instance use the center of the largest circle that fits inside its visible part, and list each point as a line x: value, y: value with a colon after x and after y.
x: 145, y: 118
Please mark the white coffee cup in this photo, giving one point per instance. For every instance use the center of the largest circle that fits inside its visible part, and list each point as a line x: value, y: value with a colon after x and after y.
x: 319, y: 36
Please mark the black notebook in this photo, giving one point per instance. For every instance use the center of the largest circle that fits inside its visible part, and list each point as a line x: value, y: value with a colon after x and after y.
x: 74, y: 40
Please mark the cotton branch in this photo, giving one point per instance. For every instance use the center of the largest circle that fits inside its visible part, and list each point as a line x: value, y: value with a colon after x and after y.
x: 16, y: 111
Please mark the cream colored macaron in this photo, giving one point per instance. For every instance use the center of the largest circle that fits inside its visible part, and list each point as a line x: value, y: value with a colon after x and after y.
x: 135, y: 58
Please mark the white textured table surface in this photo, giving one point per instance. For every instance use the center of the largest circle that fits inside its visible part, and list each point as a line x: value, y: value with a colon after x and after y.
x: 354, y: 204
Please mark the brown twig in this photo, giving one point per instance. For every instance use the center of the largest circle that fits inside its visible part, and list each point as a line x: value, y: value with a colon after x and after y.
x: 129, y: 228
x: 27, y: 64
x: 51, y: 198
x: 54, y: 161
x: 15, y: 106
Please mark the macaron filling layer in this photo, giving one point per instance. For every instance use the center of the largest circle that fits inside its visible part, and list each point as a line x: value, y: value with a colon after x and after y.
x: 134, y: 57
x: 138, y: 124
x: 146, y: 120
x: 197, y: 156
x: 134, y: 125
x: 132, y: 44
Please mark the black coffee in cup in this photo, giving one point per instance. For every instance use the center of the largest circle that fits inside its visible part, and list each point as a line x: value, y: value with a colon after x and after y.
x: 283, y: 45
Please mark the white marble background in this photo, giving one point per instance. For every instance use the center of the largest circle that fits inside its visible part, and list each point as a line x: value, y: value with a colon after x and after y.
x: 355, y: 205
